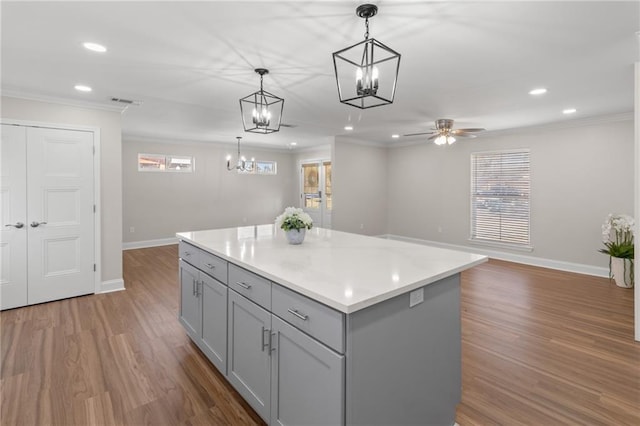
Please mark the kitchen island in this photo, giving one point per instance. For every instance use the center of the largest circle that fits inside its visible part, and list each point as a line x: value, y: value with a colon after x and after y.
x: 343, y: 329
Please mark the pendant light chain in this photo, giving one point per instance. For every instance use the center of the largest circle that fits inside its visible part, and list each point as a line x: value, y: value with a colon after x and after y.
x: 366, y: 26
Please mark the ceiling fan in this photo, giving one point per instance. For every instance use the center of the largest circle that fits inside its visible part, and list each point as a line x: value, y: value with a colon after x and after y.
x: 444, y: 133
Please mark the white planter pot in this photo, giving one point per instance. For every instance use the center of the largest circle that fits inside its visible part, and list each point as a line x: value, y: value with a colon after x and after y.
x: 621, y: 269
x: 296, y: 236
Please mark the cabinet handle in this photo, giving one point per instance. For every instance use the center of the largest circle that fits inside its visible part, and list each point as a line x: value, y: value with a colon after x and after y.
x: 243, y: 285
x: 271, y: 345
x: 193, y: 287
x: 210, y: 266
x: 265, y: 345
x: 297, y: 314
x: 198, y: 287
x: 187, y: 253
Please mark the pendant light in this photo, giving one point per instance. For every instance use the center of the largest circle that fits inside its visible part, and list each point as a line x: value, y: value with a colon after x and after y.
x: 242, y: 165
x: 261, y: 111
x: 367, y: 72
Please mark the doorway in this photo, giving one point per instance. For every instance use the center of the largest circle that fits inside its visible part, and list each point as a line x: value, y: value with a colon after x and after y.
x: 48, y: 214
x: 316, y: 194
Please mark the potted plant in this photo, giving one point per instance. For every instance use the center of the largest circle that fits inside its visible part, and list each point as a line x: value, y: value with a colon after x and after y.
x: 295, y: 223
x: 617, y: 235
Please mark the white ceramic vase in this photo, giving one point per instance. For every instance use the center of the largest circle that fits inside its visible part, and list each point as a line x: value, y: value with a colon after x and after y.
x: 296, y: 236
x: 621, y: 269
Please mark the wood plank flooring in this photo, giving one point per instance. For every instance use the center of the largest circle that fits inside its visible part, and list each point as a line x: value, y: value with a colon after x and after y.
x: 540, y: 347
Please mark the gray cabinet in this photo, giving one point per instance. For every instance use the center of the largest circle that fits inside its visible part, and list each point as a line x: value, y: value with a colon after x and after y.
x: 190, y: 305
x: 213, y: 336
x: 249, y: 352
x: 307, y: 379
x: 203, y: 305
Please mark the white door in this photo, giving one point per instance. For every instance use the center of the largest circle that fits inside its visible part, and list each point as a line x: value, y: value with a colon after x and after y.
x: 13, y: 234
x: 315, y: 183
x: 57, y: 211
x: 60, y: 214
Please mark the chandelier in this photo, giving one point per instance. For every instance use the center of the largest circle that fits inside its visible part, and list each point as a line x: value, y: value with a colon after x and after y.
x: 261, y: 111
x: 242, y: 165
x: 367, y: 72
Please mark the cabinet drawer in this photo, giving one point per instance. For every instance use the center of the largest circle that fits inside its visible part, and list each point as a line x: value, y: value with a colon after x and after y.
x: 213, y: 265
x: 250, y: 285
x: 188, y: 253
x: 315, y: 319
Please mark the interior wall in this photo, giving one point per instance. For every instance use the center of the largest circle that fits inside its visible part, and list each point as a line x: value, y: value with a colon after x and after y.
x: 157, y: 205
x: 578, y: 176
x: 360, y: 176
x: 110, y: 168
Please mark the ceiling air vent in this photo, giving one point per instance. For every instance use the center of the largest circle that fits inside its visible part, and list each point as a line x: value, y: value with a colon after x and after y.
x: 126, y: 101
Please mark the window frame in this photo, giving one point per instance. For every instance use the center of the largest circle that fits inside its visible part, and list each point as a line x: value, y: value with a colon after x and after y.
x: 473, y: 219
x: 166, y: 160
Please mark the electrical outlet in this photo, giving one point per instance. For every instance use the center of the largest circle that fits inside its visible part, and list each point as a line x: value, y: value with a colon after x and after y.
x: 362, y: 226
x: 132, y: 229
x: 439, y: 228
x: 416, y: 297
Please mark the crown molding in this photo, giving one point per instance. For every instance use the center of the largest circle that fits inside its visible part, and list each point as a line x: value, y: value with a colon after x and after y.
x: 12, y: 93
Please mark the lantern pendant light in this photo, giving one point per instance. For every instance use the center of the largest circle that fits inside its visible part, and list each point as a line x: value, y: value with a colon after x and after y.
x: 261, y: 111
x: 367, y: 72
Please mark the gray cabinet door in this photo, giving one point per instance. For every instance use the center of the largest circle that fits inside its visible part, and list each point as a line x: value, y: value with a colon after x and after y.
x: 307, y: 379
x: 190, y: 313
x: 214, y: 321
x: 249, y: 367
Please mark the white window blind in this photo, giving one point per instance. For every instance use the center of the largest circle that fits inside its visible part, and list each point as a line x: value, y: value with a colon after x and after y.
x: 500, y: 204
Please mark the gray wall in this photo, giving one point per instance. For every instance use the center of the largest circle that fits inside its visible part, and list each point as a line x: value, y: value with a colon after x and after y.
x: 578, y: 176
x: 110, y: 157
x: 360, y: 174
x: 157, y: 205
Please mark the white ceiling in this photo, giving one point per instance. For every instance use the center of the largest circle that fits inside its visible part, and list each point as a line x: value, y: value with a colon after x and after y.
x: 190, y: 63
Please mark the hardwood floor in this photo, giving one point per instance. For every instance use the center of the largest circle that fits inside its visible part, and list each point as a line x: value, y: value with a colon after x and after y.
x: 540, y: 347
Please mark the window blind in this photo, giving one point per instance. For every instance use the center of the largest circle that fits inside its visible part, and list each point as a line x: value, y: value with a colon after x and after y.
x: 500, y: 204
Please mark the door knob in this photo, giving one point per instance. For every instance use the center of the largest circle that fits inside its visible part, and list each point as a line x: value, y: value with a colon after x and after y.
x: 35, y: 224
x: 17, y: 225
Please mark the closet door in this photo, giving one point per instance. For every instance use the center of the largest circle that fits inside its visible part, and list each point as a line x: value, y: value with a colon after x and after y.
x: 13, y: 211
x: 60, y: 214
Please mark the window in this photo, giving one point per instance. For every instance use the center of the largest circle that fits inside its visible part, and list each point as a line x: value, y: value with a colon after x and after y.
x: 165, y: 163
x: 266, y: 167
x: 500, y: 204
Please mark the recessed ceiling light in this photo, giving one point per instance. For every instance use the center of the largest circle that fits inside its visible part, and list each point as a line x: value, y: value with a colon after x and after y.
x: 569, y: 111
x: 348, y: 127
x: 396, y: 136
x: 293, y: 143
x: 95, y: 47
x: 538, y: 91
x: 82, y: 88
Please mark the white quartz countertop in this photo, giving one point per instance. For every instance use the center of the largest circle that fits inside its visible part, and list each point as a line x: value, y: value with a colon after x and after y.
x: 345, y: 271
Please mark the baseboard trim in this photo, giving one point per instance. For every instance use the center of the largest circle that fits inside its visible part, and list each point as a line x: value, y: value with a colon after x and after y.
x: 149, y: 243
x: 111, y: 285
x: 578, y: 268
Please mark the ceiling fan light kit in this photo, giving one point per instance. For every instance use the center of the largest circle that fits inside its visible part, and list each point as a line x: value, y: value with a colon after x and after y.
x: 366, y: 72
x: 445, y: 134
x: 261, y: 111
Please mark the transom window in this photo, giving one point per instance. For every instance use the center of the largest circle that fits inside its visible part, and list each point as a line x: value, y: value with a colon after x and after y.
x: 500, y: 203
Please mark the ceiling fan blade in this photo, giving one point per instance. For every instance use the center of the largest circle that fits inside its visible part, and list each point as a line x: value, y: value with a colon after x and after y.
x: 457, y: 131
x: 419, y: 134
x: 433, y: 137
x: 465, y: 135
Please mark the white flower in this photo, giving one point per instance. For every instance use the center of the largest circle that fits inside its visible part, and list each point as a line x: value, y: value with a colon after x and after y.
x: 294, y: 218
x: 617, y: 228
